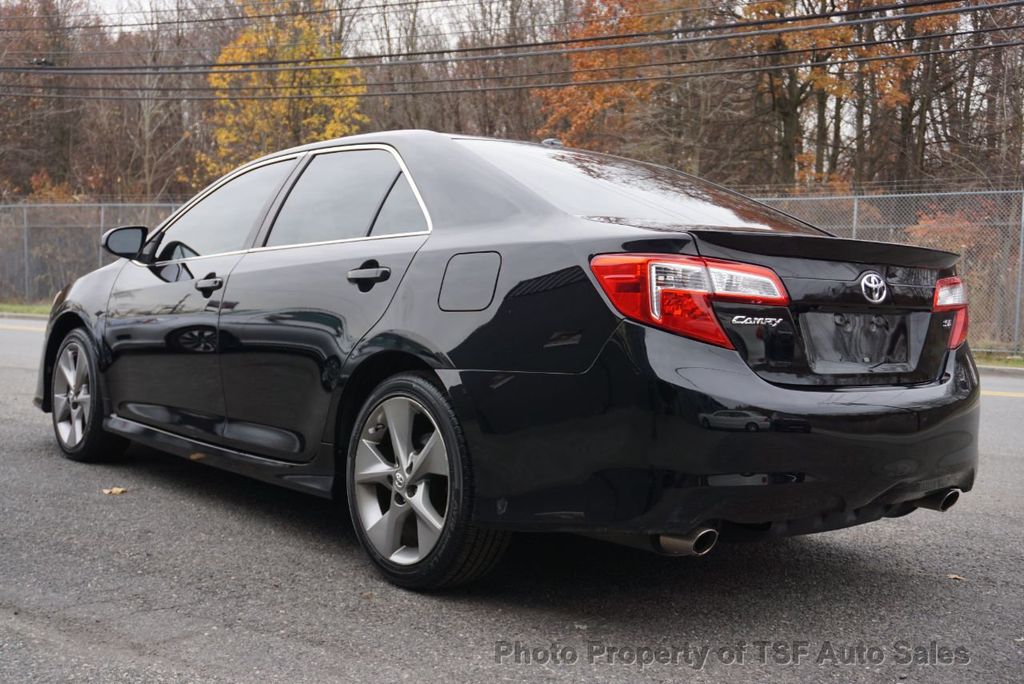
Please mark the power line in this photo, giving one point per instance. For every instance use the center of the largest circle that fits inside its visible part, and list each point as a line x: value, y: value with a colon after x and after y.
x: 542, y: 86
x: 385, y: 7
x: 299, y: 13
x: 167, y: 10
x: 439, y: 34
x: 503, y: 77
x: 317, y: 63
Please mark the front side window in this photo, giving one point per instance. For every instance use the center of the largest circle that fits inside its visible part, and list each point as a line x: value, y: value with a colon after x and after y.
x: 335, y: 198
x: 223, y: 220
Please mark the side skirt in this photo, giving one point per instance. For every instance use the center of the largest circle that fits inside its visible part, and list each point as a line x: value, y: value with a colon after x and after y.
x: 315, y: 477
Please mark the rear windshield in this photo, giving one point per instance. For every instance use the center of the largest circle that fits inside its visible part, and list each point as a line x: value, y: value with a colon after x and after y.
x: 609, y: 188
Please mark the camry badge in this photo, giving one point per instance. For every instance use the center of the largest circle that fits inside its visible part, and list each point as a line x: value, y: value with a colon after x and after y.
x: 873, y: 287
x: 756, y: 320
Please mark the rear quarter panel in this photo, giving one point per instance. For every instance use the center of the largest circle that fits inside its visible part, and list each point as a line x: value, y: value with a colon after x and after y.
x: 547, y: 313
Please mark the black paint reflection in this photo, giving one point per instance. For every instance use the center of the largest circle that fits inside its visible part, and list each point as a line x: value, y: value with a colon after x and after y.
x: 196, y: 339
x: 557, y: 319
x: 290, y: 320
x: 732, y: 419
x: 161, y: 336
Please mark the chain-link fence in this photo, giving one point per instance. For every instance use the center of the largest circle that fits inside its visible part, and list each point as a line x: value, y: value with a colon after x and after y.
x: 44, y: 246
x: 985, y: 228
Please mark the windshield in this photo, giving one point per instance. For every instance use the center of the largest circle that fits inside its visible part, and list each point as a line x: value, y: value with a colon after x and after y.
x: 613, y: 189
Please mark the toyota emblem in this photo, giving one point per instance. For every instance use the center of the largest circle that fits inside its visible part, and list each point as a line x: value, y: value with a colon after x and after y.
x: 873, y: 287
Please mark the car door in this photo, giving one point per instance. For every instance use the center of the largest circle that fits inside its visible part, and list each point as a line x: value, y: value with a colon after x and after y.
x: 161, y: 328
x: 295, y: 307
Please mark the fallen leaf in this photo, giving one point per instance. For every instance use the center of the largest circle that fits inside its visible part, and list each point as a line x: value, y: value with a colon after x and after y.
x: 958, y: 578
x: 114, y: 491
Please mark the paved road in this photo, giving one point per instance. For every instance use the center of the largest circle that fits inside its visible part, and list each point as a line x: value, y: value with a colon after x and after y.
x: 198, y: 575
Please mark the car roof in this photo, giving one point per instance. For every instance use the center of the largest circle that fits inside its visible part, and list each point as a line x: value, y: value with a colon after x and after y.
x: 404, y: 138
x: 476, y: 193
x: 460, y: 187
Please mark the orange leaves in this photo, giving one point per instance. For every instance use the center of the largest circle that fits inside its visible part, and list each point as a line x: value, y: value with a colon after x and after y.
x: 44, y: 189
x: 958, y: 231
x: 817, y: 39
x: 574, y: 113
x: 820, y: 45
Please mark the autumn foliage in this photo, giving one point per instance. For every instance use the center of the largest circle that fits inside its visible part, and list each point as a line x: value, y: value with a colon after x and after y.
x: 313, y: 104
x: 882, y: 94
x: 589, y: 115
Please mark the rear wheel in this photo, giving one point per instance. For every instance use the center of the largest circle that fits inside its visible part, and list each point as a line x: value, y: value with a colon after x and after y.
x: 76, y: 401
x: 410, y: 489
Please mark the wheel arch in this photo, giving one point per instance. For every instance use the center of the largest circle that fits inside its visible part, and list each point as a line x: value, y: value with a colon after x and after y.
x: 62, y: 325
x: 365, y: 374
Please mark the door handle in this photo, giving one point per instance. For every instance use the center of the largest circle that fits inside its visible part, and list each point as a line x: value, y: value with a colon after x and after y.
x: 208, y: 285
x: 369, y: 275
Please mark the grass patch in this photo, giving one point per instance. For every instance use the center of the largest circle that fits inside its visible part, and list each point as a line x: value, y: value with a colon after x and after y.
x: 1006, y: 360
x: 40, y: 308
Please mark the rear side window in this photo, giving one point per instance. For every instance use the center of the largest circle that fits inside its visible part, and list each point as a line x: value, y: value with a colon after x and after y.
x: 603, y: 187
x: 335, y: 198
x: 223, y: 220
x: 401, y: 212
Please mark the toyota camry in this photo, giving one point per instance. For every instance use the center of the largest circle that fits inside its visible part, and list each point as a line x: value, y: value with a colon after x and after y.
x: 466, y: 337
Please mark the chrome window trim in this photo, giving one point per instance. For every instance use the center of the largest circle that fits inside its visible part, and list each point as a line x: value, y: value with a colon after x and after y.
x: 271, y: 248
x: 186, y: 260
x: 312, y: 153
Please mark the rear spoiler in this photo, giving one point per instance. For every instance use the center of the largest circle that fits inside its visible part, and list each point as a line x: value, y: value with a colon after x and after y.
x: 719, y: 243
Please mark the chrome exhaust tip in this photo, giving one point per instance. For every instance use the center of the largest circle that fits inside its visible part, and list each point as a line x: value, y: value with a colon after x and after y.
x: 940, y: 501
x: 697, y: 542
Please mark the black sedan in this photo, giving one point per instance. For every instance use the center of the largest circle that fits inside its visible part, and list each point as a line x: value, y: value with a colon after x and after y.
x: 465, y: 337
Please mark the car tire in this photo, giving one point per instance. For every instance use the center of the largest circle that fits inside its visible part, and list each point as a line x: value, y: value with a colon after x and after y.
x: 76, y: 401
x: 705, y: 423
x: 752, y: 427
x: 409, y: 482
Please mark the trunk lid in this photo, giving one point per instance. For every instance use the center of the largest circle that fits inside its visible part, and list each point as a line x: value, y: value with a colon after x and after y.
x: 860, y: 313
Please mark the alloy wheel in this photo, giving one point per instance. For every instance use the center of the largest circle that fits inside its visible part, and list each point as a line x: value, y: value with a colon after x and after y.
x: 72, y: 395
x: 401, y: 480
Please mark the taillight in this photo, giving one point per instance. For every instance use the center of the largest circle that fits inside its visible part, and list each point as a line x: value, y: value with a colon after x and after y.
x: 675, y: 293
x: 951, y: 295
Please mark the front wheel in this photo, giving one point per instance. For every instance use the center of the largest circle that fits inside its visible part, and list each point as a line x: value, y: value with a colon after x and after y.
x: 76, y: 402
x: 410, y: 488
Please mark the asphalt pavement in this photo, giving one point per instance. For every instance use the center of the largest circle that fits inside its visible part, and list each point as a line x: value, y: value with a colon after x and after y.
x: 198, y: 575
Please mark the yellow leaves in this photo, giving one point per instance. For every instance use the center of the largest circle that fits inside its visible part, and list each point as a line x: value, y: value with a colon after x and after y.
x: 299, y: 106
x: 115, y: 491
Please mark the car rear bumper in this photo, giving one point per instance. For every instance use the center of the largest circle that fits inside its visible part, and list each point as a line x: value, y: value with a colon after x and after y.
x: 622, y: 448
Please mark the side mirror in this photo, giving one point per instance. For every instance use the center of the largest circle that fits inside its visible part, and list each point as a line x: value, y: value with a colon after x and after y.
x: 125, y: 241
